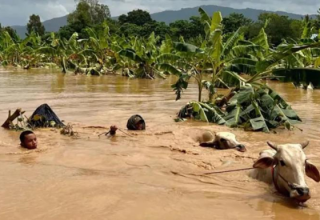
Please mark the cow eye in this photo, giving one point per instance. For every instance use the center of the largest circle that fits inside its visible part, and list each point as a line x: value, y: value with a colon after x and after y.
x: 282, y: 163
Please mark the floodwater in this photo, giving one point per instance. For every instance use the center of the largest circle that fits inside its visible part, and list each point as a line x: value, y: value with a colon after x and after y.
x: 145, y: 175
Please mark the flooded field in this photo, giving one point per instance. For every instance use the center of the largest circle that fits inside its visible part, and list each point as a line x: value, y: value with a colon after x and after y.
x: 144, y: 175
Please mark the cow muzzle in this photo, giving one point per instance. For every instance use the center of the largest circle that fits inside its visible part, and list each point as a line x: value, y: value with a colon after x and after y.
x: 241, y: 148
x: 300, y: 194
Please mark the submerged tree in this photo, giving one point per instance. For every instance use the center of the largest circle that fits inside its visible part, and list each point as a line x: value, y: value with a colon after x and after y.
x: 138, y: 17
x: 13, y: 34
x: 96, y: 12
x: 35, y: 25
x: 89, y: 13
x: 234, y: 21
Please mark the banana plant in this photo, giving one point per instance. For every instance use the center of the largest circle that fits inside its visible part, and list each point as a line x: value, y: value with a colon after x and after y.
x: 223, y: 59
x: 147, y: 61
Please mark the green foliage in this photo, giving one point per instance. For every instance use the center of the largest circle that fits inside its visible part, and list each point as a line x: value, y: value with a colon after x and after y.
x: 257, y: 109
x: 13, y: 34
x: 254, y: 106
x: 137, y: 17
x: 277, y: 27
x: 35, y: 25
x: 88, y: 14
x: 219, y: 57
x: 188, y: 29
x: 91, y: 12
x: 234, y: 21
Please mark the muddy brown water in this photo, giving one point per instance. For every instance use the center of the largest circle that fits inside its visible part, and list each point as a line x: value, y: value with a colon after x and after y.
x: 145, y: 175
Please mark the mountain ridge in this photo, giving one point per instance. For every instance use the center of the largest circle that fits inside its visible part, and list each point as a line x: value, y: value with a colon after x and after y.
x: 170, y: 16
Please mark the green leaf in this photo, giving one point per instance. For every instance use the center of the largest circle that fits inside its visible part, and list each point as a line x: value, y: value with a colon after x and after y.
x: 213, y: 114
x: 281, y: 53
x: 261, y: 40
x: 168, y: 58
x: 217, y: 48
x: 205, y: 19
x: 130, y: 54
x: 209, y: 86
x: 232, y: 41
x: 216, y: 21
x: 245, y: 95
x: 317, y: 62
x: 198, y: 109
x: 181, y: 85
x: 233, y: 118
x: 259, y: 124
x: 243, y: 65
x: 204, y: 16
x: 168, y: 68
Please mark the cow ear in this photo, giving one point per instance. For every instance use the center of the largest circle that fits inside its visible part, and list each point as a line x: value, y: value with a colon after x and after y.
x: 312, y: 172
x: 264, y: 162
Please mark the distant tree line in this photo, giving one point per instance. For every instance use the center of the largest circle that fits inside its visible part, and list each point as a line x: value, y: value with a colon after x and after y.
x: 90, y: 13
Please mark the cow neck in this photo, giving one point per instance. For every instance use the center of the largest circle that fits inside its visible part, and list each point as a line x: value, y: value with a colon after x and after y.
x: 275, y: 178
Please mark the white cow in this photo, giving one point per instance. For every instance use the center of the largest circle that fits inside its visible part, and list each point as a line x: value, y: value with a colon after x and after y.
x: 285, y: 166
x: 221, y: 141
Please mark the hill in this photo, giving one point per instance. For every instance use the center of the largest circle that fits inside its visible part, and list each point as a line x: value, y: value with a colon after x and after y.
x: 186, y: 13
x: 170, y: 16
x: 51, y: 25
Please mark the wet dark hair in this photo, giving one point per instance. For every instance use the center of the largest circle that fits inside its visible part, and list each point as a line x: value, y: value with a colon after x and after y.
x: 134, y: 121
x: 23, y: 134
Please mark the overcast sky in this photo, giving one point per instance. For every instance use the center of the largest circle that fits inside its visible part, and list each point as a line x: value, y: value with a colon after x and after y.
x: 17, y: 12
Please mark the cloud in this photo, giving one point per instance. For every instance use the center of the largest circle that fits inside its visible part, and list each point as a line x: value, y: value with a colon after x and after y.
x: 18, y: 11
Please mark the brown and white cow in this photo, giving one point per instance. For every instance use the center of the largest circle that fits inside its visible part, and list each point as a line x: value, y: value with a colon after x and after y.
x: 221, y: 141
x: 285, y: 166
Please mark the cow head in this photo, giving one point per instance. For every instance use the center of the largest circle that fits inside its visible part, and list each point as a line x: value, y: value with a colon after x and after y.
x: 290, y: 166
x: 227, y: 140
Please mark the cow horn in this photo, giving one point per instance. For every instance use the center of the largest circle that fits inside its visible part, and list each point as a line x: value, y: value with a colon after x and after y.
x: 304, y: 144
x: 272, y: 145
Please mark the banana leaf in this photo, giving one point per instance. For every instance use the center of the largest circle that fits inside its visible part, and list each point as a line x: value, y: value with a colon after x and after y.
x: 181, y: 85
x: 168, y: 69
x: 234, y: 117
x: 131, y: 54
x: 259, y: 124
x: 228, y: 79
x: 245, y: 95
x: 214, y: 115
x: 204, y: 112
x: 216, y: 21
x: 209, y: 86
x: 243, y: 65
x: 282, y: 52
x: 261, y: 39
x: 200, y: 112
x: 261, y: 109
x: 232, y: 41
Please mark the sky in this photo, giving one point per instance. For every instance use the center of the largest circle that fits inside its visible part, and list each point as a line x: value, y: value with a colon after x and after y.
x: 17, y: 12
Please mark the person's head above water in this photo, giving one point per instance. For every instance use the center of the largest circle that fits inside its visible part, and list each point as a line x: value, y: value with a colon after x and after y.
x: 139, y: 124
x: 28, y: 140
x: 136, y: 122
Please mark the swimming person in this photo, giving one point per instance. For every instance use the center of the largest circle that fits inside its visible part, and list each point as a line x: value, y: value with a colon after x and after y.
x: 136, y: 122
x: 28, y: 140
